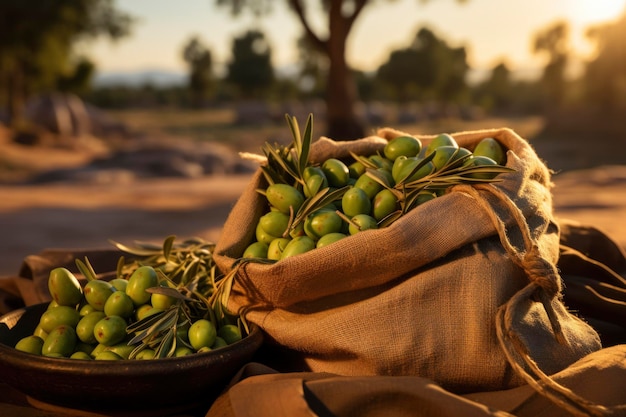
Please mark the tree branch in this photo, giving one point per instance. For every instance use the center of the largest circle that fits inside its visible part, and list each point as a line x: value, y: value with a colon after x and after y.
x: 358, y: 7
x: 315, y: 40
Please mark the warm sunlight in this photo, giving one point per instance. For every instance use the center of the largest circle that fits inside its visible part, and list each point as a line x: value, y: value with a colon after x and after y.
x: 600, y: 10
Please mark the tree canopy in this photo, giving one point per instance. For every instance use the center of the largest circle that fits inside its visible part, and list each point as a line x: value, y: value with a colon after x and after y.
x: 200, y: 62
x: 37, y: 46
x: 250, y: 68
x: 605, y: 76
x: 428, y: 69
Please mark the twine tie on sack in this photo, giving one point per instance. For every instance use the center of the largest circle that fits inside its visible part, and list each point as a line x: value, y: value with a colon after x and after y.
x: 541, y: 272
x: 545, y: 283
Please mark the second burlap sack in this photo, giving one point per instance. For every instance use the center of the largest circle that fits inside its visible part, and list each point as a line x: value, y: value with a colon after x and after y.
x: 462, y: 290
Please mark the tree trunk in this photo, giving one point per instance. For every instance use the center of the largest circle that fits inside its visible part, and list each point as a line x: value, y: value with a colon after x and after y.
x: 341, y: 97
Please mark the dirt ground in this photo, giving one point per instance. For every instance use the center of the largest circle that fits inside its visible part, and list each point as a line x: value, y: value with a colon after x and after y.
x: 37, y: 217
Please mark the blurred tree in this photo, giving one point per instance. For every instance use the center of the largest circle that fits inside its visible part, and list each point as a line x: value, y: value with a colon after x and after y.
x: 313, y: 68
x: 496, y: 93
x: 78, y: 79
x: 38, y: 41
x: 200, y: 63
x: 341, y: 93
x: 605, y: 76
x: 554, y: 42
x: 427, y: 69
x: 250, y: 69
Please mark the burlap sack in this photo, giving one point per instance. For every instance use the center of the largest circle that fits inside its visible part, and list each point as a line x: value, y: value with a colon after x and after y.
x: 462, y: 290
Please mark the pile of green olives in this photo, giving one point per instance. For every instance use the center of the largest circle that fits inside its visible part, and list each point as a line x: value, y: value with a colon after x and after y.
x: 91, y: 322
x: 366, y: 203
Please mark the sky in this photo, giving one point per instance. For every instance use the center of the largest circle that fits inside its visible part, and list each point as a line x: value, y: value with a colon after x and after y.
x: 491, y: 30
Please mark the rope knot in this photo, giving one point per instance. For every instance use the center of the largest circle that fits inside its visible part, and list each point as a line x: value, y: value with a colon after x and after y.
x: 541, y: 272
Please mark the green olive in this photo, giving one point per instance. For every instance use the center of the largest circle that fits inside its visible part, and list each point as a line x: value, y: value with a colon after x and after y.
x: 119, y: 304
x: 276, y: 248
x: 337, y: 173
x: 480, y: 160
x: 86, y: 309
x: 140, y: 280
x: 384, y: 203
x: 284, y: 197
x: 310, y: 171
x: 369, y: 185
x: 30, y: 344
x: 81, y: 355
x: 162, y: 301
x: 446, y: 155
x: 97, y: 292
x: 110, y: 330
x: 402, y: 145
x: 355, y: 201
x: 107, y: 355
x: 491, y: 148
x: 219, y: 342
x: 97, y: 350
x: 40, y: 332
x: 381, y: 162
x: 314, y: 184
x: 143, y: 310
x: 297, y: 231
x: 274, y: 223
x: 181, y: 351
x: 329, y: 238
x: 443, y: 139
x: 202, y: 333
x: 424, y: 196
x: 64, y: 287
x: 298, y: 245
x: 262, y: 236
x: 322, y: 222
x: 356, y: 169
x: 84, y: 328
x: 362, y: 222
x: 230, y: 333
x: 122, y: 349
x: 60, y: 342
x: 255, y: 250
x: 145, y: 354
x: 405, y: 169
x: 119, y: 284
x: 56, y: 316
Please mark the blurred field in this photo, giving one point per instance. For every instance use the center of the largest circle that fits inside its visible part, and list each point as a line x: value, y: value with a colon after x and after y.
x: 219, y: 126
x: 83, y: 215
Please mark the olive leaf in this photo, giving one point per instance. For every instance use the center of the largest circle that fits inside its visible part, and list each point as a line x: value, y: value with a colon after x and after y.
x: 86, y: 269
x: 323, y: 198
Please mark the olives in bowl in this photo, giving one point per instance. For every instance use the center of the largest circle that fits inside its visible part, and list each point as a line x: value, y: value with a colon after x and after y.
x: 147, y: 387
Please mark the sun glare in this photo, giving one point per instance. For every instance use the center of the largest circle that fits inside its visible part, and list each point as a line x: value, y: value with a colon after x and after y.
x: 598, y: 10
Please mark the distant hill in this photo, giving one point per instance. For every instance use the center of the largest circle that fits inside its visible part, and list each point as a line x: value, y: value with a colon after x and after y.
x: 171, y: 78
x: 156, y: 77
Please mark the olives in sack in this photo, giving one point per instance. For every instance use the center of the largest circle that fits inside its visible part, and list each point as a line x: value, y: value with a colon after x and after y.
x: 490, y: 148
x: 283, y: 197
x: 298, y: 245
x: 402, y: 146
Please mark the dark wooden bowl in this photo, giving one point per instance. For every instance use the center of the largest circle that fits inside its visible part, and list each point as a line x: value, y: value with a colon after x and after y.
x: 137, y: 387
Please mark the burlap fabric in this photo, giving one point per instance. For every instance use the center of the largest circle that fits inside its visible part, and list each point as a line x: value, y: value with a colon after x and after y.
x: 462, y: 290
